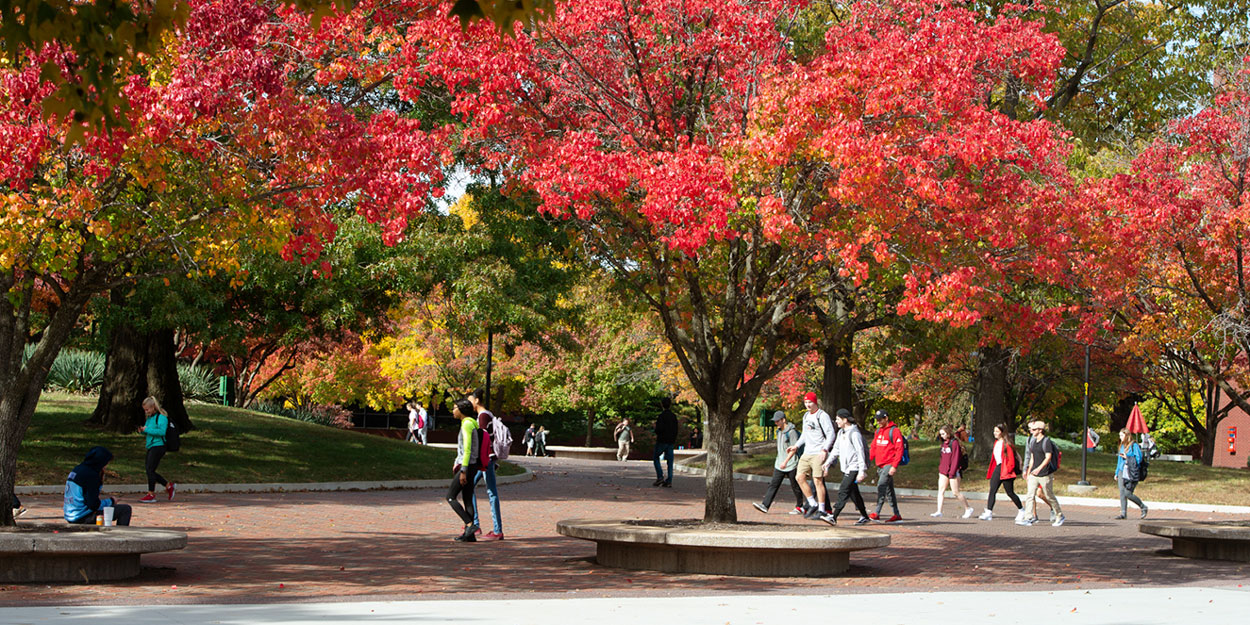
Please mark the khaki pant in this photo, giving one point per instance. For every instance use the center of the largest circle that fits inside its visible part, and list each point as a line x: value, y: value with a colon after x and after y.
x: 622, y: 450
x: 813, y: 465
x: 1047, y: 484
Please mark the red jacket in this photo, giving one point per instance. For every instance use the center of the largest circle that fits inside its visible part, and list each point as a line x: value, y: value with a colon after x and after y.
x: 887, y: 445
x: 1009, y: 463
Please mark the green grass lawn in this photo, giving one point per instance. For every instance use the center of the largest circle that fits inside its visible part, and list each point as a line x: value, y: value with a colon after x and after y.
x: 1168, y: 481
x: 228, y: 446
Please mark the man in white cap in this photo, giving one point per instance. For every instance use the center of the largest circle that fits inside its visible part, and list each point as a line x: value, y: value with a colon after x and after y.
x: 814, y: 445
x: 785, y: 467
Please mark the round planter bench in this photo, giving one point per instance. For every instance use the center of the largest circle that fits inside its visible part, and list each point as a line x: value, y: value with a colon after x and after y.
x: 78, y: 553
x: 1212, y: 540
x: 747, y: 549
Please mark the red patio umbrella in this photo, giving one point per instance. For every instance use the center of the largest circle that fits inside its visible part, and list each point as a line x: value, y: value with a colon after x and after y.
x: 1136, y: 424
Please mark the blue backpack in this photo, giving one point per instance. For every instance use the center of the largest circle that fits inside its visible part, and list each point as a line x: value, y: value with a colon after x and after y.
x: 906, y: 451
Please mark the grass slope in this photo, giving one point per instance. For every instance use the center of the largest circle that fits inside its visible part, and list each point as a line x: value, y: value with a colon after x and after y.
x: 1168, y: 481
x: 229, y: 445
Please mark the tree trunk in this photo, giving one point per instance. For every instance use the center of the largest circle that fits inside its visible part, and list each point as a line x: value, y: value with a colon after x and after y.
x: 718, y: 503
x: 1209, y: 444
x: 991, y: 400
x: 837, y: 387
x: 590, y: 424
x: 119, y: 408
x: 162, y: 377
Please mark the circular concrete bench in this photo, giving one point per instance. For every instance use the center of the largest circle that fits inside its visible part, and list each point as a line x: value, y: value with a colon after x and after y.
x: 749, y: 549
x: 1210, y: 540
x: 83, y: 553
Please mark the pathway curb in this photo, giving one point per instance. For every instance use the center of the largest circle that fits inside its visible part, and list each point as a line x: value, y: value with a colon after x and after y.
x: 289, y: 487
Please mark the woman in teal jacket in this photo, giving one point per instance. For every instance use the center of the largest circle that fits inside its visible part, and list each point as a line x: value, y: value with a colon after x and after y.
x: 154, y: 429
x: 1128, y: 472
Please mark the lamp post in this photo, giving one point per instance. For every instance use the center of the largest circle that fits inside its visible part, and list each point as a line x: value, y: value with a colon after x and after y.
x: 1085, y: 421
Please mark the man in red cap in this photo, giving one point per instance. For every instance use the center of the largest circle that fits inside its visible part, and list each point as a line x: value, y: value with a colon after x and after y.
x: 813, y: 447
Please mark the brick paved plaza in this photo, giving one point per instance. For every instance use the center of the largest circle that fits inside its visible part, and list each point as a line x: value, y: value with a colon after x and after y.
x: 396, y: 545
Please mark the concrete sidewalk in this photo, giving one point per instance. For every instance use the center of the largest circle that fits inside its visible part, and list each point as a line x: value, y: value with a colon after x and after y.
x: 1157, y: 606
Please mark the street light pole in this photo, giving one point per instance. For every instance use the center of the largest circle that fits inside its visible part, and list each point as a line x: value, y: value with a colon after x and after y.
x: 1085, y: 430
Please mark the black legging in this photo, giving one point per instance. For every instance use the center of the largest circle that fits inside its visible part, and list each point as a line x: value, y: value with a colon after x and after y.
x: 465, y: 491
x: 849, y: 490
x: 1008, y: 486
x: 150, y: 463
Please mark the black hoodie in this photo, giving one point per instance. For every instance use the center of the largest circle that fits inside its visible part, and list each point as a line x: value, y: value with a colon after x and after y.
x: 86, y: 478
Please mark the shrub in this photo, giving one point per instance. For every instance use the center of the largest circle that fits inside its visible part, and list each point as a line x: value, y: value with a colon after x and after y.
x: 76, y: 371
x: 330, y: 416
x: 199, y: 383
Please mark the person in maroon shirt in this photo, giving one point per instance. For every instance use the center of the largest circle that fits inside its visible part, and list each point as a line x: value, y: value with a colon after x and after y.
x: 950, y: 470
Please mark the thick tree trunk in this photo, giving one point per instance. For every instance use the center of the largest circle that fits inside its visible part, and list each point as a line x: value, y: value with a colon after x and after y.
x: 837, y: 389
x: 991, y: 400
x: 119, y: 408
x: 162, y: 377
x: 718, y: 504
x: 1209, y: 444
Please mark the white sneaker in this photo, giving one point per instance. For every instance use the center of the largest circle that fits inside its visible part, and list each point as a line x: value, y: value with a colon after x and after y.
x: 1059, y: 521
x: 968, y: 513
x: 987, y: 515
x: 1020, y: 514
x: 936, y: 514
x: 1025, y: 522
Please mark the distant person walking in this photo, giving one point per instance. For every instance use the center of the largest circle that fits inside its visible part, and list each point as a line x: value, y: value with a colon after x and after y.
x: 417, y: 422
x: 468, y: 450
x: 528, y: 439
x: 784, y: 467
x: 665, y: 439
x: 540, y: 441
x: 18, y: 508
x: 624, y: 438
x: 887, y: 451
x: 813, y: 448
x: 1002, y: 472
x: 1091, y: 439
x: 852, y: 458
x: 154, y: 430
x: 1128, y: 472
x: 1042, y: 462
x: 950, y: 469
x: 500, y: 441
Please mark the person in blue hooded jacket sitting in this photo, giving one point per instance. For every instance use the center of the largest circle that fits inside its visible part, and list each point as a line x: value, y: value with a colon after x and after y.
x: 82, y: 491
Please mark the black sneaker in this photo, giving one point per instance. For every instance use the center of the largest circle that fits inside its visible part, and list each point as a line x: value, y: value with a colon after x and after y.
x: 759, y: 506
x: 862, y: 520
x: 658, y: 482
x: 466, y: 538
x: 830, y: 519
x: 812, y: 513
x: 667, y: 484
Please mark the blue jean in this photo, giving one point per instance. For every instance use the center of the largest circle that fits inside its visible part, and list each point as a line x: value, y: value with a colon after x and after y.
x: 665, y: 449
x: 492, y: 492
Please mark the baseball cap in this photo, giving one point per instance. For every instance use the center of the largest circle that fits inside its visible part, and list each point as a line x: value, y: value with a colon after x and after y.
x: 844, y: 413
x: 882, y: 415
x: 780, y: 415
x: 809, y: 397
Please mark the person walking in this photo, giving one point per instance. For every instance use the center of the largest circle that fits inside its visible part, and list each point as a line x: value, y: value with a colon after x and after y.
x: 1091, y: 439
x: 784, y: 467
x: 848, y: 448
x: 540, y: 441
x: 1128, y: 472
x: 18, y: 508
x: 624, y: 438
x: 887, y: 451
x: 528, y: 439
x: 1041, y: 466
x: 665, y: 440
x: 950, y: 470
x: 1002, y: 472
x: 414, y: 423
x: 814, y: 446
x: 500, y: 440
x: 154, y: 429
x: 468, y: 457
x: 82, y: 491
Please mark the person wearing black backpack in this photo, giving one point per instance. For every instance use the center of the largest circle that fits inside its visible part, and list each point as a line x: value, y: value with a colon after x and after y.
x: 1042, y: 462
x: 1128, y: 464
x: 155, y: 429
x: 954, y: 462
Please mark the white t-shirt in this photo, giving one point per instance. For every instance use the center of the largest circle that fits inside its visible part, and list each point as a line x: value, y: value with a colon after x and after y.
x: 998, y: 451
